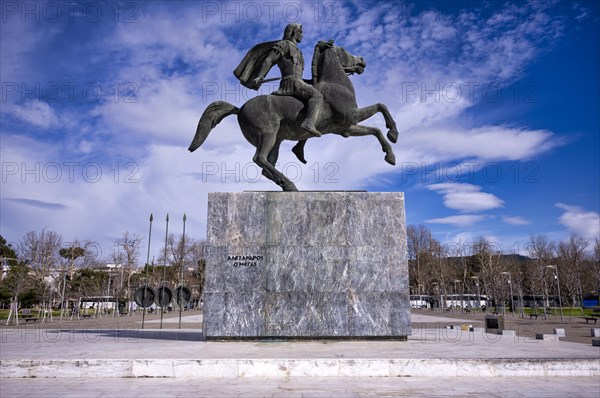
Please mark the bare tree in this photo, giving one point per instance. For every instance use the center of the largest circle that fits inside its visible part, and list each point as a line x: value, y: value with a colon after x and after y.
x: 489, y: 259
x: 419, y: 242
x: 198, y: 264
x: 41, y: 252
x: 186, y: 254
x: 462, y: 267
x: 543, y: 252
x: 595, y: 267
x: 571, y: 254
x: 126, y: 255
x: 440, y: 271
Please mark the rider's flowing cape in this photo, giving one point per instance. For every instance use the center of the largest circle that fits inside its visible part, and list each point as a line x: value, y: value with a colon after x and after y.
x: 249, y: 68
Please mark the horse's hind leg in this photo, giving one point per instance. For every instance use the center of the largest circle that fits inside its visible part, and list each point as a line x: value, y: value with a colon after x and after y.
x: 272, y: 158
x: 267, y: 143
x: 360, y: 114
x: 357, y: 131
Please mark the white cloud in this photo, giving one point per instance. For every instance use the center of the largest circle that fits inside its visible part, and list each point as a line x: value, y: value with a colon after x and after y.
x: 515, y: 220
x: 170, y: 104
x: 164, y: 111
x: 464, y: 220
x: 491, y: 143
x: 171, y: 54
x: 36, y: 113
x: 580, y: 221
x: 466, y: 197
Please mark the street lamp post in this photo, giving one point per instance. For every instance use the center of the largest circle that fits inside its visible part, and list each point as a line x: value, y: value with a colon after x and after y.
x: 512, y: 301
x: 555, y: 267
x: 62, y: 305
x: 436, y: 290
x: 546, y: 299
x: 478, y: 291
x: 5, y: 267
x: 520, y: 288
x: 456, y: 295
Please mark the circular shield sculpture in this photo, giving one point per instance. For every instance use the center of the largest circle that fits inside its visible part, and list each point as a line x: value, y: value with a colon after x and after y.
x: 183, y: 296
x: 164, y: 296
x: 144, y: 296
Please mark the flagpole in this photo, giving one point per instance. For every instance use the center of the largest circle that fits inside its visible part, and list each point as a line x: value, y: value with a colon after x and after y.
x: 162, y: 288
x: 182, y: 264
x: 147, y: 266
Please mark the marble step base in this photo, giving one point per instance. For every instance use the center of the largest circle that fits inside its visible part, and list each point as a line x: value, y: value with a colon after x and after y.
x: 302, y: 367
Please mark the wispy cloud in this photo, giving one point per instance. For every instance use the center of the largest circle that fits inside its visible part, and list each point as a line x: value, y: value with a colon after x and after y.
x: 38, y: 203
x: 583, y: 222
x: 515, y: 220
x: 464, y: 220
x: 466, y: 197
x: 491, y: 143
x: 36, y: 113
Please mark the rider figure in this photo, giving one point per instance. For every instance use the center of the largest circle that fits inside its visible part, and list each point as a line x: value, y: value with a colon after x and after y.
x: 285, y: 53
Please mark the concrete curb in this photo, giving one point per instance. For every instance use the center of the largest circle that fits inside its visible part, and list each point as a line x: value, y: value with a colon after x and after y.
x: 251, y: 368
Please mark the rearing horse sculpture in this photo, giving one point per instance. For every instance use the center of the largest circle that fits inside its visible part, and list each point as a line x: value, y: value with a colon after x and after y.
x: 267, y: 120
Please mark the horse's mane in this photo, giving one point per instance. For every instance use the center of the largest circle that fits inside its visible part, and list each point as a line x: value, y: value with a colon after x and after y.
x: 320, y: 47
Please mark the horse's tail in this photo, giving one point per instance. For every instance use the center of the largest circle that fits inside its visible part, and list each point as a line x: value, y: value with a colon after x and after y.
x: 212, y: 116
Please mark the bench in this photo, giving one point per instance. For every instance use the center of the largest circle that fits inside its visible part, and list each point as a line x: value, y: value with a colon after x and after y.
x: 531, y: 316
x: 84, y: 316
x: 28, y: 316
x: 590, y: 318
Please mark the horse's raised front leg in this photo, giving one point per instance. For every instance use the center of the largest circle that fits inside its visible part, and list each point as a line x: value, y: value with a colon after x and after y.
x: 358, y: 131
x: 358, y: 115
x: 266, y: 143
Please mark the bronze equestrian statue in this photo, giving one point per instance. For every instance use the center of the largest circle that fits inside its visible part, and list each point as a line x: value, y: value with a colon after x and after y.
x: 298, y: 110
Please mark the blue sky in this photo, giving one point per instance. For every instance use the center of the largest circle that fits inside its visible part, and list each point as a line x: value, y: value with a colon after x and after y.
x: 496, y: 104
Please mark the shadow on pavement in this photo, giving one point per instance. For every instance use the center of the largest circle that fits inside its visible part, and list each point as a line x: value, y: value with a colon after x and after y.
x: 176, y: 335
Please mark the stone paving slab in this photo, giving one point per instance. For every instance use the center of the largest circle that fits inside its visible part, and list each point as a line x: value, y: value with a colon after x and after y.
x: 57, y: 344
x: 418, y: 387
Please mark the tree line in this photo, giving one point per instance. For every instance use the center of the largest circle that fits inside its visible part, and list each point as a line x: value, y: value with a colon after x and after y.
x: 41, y: 270
x: 483, y: 267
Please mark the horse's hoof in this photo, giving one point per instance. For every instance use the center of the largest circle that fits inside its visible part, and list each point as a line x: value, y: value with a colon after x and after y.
x: 392, y: 135
x: 290, y: 188
x: 298, y: 150
x: 391, y: 159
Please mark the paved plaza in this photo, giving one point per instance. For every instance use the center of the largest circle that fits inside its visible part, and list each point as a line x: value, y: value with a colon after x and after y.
x: 335, y: 387
x: 115, y: 357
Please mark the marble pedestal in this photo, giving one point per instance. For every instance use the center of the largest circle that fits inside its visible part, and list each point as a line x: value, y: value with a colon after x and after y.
x: 306, y: 265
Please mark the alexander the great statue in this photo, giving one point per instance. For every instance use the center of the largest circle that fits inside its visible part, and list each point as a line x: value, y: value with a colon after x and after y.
x: 298, y: 110
x: 285, y: 53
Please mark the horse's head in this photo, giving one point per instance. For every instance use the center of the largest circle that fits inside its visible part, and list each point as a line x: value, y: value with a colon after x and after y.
x: 327, y: 54
x: 350, y: 63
